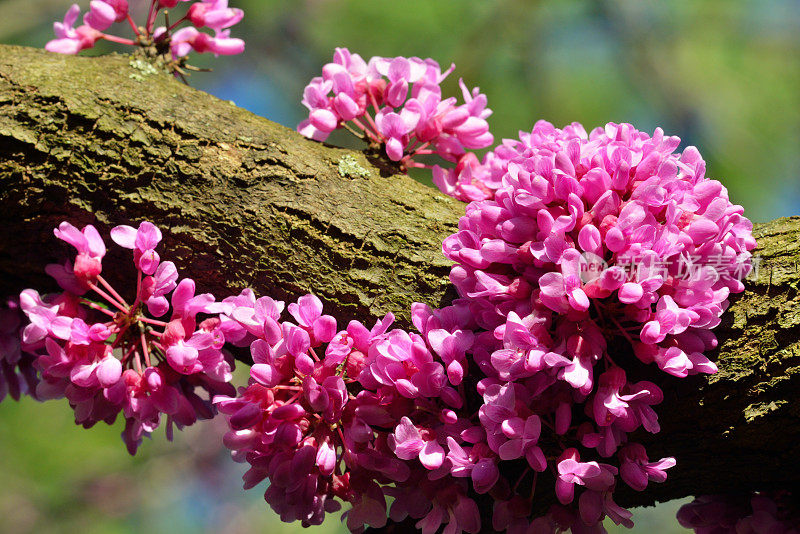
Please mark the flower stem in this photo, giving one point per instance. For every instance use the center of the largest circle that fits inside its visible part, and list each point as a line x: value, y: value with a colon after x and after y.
x: 151, y: 17
x: 115, y: 39
x: 97, y: 307
x: 111, y: 290
x: 153, y: 322
x: 138, y: 287
x: 372, y: 135
x: 373, y: 125
x: 172, y: 26
x: 133, y: 25
x: 352, y: 131
x: 144, y: 349
x: 108, y: 297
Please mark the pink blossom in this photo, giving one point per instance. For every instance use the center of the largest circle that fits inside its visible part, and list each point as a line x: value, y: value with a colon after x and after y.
x: 104, y: 13
x: 752, y: 513
x: 143, y: 242
x: 17, y: 374
x: 571, y: 471
x: 187, y: 39
x: 91, y: 249
x: 408, y: 444
x: 70, y: 40
x: 215, y: 14
x: 636, y: 469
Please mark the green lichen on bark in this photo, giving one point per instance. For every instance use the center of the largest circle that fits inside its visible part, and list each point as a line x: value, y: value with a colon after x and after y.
x: 246, y: 202
x: 349, y: 167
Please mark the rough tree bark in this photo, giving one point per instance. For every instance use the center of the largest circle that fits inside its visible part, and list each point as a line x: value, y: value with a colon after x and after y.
x: 246, y: 202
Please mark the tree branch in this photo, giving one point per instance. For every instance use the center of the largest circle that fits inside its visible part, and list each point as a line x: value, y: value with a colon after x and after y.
x: 245, y: 202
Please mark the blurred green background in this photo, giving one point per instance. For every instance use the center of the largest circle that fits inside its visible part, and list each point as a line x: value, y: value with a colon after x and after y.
x: 724, y: 75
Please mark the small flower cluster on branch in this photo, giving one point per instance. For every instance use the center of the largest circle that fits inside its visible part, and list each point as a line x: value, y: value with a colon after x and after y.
x: 395, y: 103
x: 109, y: 357
x: 163, y: 42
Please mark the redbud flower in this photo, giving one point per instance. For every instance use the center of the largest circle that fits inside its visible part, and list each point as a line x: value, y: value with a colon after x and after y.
x: 215, y: 14
x: 187, y: 39
x: 70, y: 40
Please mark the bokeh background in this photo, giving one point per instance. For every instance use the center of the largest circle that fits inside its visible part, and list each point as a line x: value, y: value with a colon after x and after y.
x: 724, y: 75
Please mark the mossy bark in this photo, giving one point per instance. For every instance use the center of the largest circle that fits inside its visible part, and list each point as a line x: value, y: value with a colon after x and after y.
x: 245, y: 202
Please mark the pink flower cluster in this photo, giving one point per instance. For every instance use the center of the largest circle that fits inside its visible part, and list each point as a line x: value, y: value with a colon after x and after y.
x: 212, y: 14
x: 410, y: 116
x: 325, y: 415
x: 109, y: 357
x: 757, y: 513
x: 572, y: 270
x: 583, y: 263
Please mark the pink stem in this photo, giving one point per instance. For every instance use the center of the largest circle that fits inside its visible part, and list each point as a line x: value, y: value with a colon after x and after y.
x: 120, y: 40
x: 108, y: 297
x: 367, y: 131
x: 372, y: 99
x: 119, y: 335
x: 127, y: 355
x: 98, y: 308
x: 111, y: 290
x: 151, y: 17
x: 138, y: 288
x: 153, y: 322
x: 133, y: 25
x: 178, y: 22
x: 372, y: 123
x: 419, y: 165
x: 351, y: 130
x: 292, y: 398
x: 519, y: 480
x: 533, y: 485
x: 138, y: 363
x: 144, y: 349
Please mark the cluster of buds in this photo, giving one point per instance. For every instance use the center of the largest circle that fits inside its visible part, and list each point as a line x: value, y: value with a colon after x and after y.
x: 166, y: 43
x: 109, y: 357
x: 408, y: 115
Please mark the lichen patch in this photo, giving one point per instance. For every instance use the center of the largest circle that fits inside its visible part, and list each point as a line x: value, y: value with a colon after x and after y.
x: 350, y: 168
